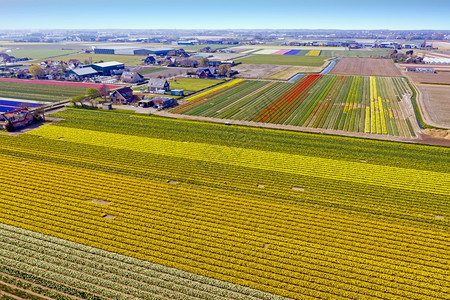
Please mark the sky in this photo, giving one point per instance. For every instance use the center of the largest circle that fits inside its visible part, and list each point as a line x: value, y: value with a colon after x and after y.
x: 225, y: 14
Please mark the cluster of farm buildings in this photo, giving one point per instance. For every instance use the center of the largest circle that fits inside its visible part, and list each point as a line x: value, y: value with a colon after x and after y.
x: 358, y: 45
x: 113, y: 71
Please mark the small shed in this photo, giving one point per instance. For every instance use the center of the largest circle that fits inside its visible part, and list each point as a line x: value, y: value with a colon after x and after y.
x: 158, y: 102
x: 177, y: 92
x: 107, y: 106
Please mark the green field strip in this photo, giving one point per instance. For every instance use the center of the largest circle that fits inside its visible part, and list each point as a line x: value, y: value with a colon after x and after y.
x: 331, y: 119
x: 195, y: 105
x: 332, y: 99
x: 42, y: 92
x: 230, y: 100
x: 211, y: 107
x: 245, y: 102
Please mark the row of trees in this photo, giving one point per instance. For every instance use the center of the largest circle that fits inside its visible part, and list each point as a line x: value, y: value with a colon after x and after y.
x: 92, y: 97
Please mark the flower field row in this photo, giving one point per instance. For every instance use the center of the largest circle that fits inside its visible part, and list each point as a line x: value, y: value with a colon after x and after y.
x: 216, y: 201
x: 54, y: 257
x: 42, y: 92
x: 376, y: 105
x: 60, y: 83
x: 313, y: 53
x: 214, y: 89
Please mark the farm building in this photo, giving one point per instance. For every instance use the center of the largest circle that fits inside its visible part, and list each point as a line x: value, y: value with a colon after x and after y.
x: 436, y: 60
x: 124, y: 51
x: 187, y: 42
x: 81, y: 73
x: 15, y: 119
x: 214, y: 63
x: 188, y: 63
x: 150, y: 60
x: 131, y: 77
x: 122, y: 95
x: 159, y: 51
x: 158, y: 85
x: 210, y: 72
x: 107, y: 68
x: 158, y: 102
x: 420, y: 70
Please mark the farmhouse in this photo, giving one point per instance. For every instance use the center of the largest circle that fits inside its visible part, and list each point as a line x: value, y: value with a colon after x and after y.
x: 107, y: 68
x: 15, y: 119
x: 131, y: 77
x: 158, y: 85
x: 123, y: 95
x: 81, y: 73
x: 150, y: 60
x: 210, y: 72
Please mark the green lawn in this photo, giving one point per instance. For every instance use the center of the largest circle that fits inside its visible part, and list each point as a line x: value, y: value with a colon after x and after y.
x: 199, y: 47
x: 82, y: 57
x: 150, y: 70
x: 40, y: 54
x: 192, y: 84
x: 293, y: 60
x: 41, y: 51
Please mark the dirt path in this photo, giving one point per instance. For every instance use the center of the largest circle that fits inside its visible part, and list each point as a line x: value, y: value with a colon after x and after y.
x: 421, y: 138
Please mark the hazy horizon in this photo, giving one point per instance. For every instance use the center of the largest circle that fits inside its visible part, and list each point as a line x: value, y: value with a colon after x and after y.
x: 225, y: 15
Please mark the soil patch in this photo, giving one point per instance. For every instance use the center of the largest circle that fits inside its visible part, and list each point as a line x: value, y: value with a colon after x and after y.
x: 102, y: 202
x: 438, y: 133
x: 172, y: 182
x: 421, y: 78
x: 365, y: 66
x: 298, y: 189
x: 108, y: 216
x: 436, y: 101
x: 257, y: 71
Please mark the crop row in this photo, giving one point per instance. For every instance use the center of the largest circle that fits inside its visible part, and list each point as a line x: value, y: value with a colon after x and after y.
x: 350, y: 103
x: 85, y: 262
x: 69, y: 204
x: 225, y: 207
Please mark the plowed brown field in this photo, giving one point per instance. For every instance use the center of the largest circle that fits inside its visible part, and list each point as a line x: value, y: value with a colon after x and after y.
x: 439, y: 78
x: 365, y: 66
